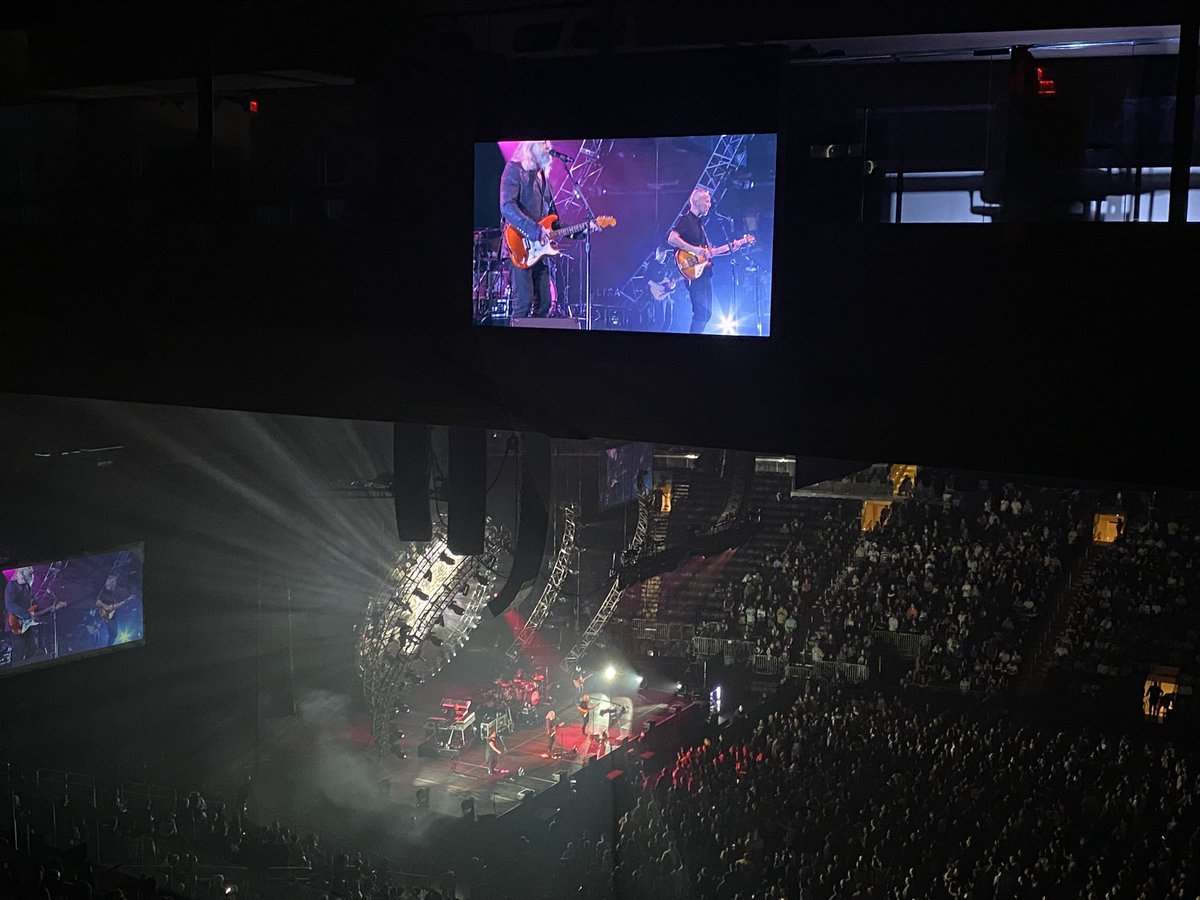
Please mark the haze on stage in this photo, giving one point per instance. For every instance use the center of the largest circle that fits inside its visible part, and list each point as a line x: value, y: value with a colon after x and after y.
x: 71, y: 608
x: 666, y: 235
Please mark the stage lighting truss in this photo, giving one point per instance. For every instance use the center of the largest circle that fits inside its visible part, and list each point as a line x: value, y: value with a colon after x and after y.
x: 553, y: 590
x: 613, y: 597
x: 584, y: 172
x: 410, y: 630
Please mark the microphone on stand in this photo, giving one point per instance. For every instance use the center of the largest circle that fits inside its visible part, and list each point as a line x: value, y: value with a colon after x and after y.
x: 723, y: 216
x: 583, y: 151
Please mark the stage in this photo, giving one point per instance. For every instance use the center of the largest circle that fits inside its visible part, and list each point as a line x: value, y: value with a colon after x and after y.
x: 321, y: 765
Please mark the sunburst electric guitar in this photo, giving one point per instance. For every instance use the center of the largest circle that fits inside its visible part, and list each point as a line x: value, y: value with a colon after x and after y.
x: 692, y: 265
x: 525, y: 252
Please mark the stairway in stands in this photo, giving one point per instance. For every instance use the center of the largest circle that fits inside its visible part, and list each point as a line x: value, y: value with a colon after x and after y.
x: 1039, y: 659
x: 641, y: 601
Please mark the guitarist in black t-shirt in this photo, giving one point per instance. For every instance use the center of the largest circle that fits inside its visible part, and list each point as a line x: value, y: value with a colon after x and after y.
x: 107, y: 605
x: 691, y: 241
x: 688, y: 234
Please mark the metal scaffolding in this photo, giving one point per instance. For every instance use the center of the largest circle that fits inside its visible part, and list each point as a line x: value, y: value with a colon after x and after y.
x: 553, y: 587
x: 419, y: 619
x: 584, y: 172
x: 604, y: 613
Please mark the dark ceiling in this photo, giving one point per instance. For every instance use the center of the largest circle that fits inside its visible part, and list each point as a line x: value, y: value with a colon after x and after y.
x: 1053, y: 348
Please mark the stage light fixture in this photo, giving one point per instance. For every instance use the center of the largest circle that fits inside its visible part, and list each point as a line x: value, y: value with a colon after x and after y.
x: 421, y: 595
x: 429, y: 574
x: 610, y: 673
x: 455, y: 608
x: 435, y: 640
x: 480, y: 577
x: 446, y: 558
x: 441, y: 620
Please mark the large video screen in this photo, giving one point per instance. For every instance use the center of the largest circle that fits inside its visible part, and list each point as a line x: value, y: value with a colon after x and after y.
x: 628, y: 470
x: 74, y: 607
x: 668, y: 234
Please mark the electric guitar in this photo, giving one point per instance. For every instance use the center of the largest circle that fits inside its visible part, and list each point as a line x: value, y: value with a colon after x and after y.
x: 18, y: 625
x: 692, y: 265
x: 661, y: 290
x: 108, y: 610
x: 525, y: 252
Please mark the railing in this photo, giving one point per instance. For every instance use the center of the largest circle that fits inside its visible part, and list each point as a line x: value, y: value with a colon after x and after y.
x: 856, y: 673
x: 767, y: 665
x: 909, y: 644
x: 708, y: 646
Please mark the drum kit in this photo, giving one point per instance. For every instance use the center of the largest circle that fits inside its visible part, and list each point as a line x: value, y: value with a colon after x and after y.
x: 523, y: 696
x: 491, y: 288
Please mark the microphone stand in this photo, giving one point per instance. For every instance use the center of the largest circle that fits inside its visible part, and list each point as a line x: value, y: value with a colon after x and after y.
x: 587, y: 242
x: 733, y: 265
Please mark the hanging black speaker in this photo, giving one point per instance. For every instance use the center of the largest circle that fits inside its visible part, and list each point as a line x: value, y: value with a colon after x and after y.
x: 411, y: 450
x: 533, y: 522
x: 465, y: 506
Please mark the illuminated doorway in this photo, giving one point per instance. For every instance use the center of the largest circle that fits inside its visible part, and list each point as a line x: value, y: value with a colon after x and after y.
x: 1107, y: 527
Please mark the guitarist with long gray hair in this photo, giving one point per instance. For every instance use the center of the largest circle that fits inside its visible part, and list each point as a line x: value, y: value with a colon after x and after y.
x: 21, y: 613
x: 526, y: 199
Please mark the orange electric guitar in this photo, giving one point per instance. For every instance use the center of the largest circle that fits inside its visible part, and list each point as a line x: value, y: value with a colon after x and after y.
x: 19, y: 625
x: 525, y: 252
x: 692, y: 265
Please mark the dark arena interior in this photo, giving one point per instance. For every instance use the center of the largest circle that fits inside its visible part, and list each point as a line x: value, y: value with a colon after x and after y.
x: 805, y: 512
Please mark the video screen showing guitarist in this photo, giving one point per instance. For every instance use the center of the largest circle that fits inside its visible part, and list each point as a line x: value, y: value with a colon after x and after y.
x: 526, y: 200
x: 695, y: 253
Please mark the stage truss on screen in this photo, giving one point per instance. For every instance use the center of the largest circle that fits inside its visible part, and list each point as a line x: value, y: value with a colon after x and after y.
x: 420, y: 617
x: 584, y: 172
x: 613, y: 597
x: 552, y: 591
x: 727, y: 156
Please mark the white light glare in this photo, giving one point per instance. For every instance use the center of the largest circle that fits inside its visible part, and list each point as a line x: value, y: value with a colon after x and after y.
x: 610, y: 673
x: 727, y: 323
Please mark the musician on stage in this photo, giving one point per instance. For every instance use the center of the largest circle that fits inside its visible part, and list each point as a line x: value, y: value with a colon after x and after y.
x: 688, y: 234
x: 585, y: 711
x: 107, y: 606
x: 662, y: 278
x: 551, y: 731
x: 494, y: 749
x: 526, y: 198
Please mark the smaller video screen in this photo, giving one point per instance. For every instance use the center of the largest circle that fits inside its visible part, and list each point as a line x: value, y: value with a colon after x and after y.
x: 628, y: 471
x: 70, y: 608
